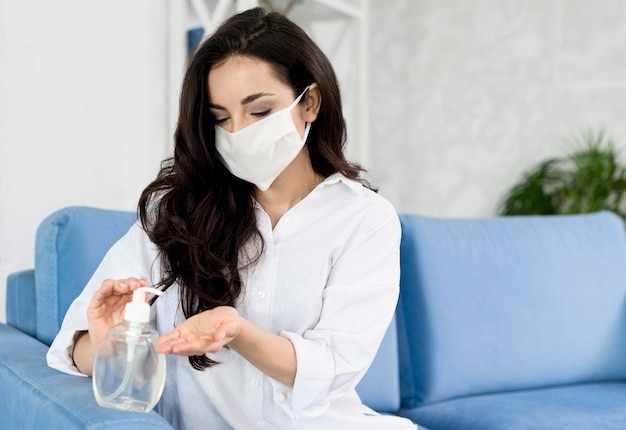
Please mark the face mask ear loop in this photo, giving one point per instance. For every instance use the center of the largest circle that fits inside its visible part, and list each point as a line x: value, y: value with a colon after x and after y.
x: 307, y: 126
x: 297, y: 100
x: 307, y: 129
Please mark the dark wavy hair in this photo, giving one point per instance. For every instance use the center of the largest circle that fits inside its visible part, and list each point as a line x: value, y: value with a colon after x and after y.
x: 196, y: 212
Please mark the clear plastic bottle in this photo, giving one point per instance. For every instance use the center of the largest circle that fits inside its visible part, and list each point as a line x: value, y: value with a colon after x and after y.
x: 128, y: 374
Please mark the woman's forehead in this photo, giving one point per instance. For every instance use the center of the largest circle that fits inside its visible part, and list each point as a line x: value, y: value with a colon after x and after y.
x: 241, y: 75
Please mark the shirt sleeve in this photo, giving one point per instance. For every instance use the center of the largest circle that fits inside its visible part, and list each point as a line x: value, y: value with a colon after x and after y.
x: 358, y: 304
x: 132, y: 255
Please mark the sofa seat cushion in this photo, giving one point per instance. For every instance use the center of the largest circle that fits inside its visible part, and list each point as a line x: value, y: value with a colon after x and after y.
x: 586, y: 406
x: 35, y: 396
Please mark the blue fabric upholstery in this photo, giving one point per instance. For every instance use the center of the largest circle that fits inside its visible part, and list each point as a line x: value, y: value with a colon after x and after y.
x: 493, y: 305
x: 34, y: 396
x: 600, y: 406
x: 502, y: 323
x: 21, y: 301
x: 70, y: 244
x: 380, y: 387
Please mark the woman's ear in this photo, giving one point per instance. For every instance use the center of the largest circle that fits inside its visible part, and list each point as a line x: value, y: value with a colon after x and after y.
x: 312, y: 103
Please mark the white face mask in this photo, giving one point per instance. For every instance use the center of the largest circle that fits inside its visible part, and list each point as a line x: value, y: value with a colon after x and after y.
x: 261, y: 151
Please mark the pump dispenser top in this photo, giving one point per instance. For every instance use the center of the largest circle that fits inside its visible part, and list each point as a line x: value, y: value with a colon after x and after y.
x: 128, y: 374
x: 139, y: 310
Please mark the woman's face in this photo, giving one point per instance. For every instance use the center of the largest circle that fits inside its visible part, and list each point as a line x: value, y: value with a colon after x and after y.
x: 244, y: 89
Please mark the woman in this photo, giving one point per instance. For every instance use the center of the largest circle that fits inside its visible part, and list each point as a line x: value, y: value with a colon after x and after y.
x: 280, y: 268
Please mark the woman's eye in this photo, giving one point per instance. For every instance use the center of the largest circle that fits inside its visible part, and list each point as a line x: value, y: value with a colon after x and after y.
x: 260, y: 114
x: 220, y: 121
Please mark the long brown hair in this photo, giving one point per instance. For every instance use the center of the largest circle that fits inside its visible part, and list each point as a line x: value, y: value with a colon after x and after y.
x: 197, y: 213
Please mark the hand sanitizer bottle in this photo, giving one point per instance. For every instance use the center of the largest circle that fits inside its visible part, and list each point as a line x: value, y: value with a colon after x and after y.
x: 128, y: 374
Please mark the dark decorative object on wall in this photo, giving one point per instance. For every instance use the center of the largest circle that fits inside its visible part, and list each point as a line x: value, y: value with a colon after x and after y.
x: 194, y: 36
x: 589, y: 179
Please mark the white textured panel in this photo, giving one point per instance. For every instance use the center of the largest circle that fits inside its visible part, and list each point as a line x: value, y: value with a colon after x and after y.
x: 466, y: 95
x: 421, y: 40
x: 593, y: 41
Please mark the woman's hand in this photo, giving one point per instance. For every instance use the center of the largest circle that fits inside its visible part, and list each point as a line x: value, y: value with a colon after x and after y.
x: 209, y: 331
x: 205, y: 332
x: 104, y: 312
x: 107, y: 305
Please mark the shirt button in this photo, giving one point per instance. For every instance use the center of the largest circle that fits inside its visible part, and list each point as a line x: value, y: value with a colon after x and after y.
x: 261, y: 295
x: 254, y: 383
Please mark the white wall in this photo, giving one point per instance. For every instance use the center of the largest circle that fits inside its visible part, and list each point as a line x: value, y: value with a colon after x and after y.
x: 466, y: 94
x: 82, y: 111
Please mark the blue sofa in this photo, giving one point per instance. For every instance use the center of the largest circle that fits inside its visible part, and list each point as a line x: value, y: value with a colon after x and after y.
x: 502, y: 323
x: 69, y: 245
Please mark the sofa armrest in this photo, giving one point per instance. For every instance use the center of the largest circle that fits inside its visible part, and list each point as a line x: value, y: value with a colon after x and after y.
x: 21, y: 312
x: 33, y: 395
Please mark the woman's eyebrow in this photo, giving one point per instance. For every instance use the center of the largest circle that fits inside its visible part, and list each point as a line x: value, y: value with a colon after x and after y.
x: 246, y: 100
x: 253, y: 97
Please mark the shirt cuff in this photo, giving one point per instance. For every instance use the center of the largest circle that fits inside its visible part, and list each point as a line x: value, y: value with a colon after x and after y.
x: 59, y: 355
x: 309, y: 396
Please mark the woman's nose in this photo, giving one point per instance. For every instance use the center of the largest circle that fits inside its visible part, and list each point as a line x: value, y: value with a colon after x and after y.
x: 237, y: 123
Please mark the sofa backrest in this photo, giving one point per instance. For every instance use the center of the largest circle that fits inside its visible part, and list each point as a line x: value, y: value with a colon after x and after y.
x: 69, y: 245
x: 489, y: 305
x: 380, y: 387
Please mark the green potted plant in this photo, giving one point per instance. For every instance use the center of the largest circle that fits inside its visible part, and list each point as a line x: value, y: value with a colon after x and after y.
x: 589, y: 179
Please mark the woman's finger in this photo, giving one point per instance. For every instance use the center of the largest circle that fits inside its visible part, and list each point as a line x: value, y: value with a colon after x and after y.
x: 172, y: 336
x: 119, y: 287
x: 167, y: 342
x: 198, y: 346
x: 175, y: 342
x: 129, y: 284
x: 105, y: 290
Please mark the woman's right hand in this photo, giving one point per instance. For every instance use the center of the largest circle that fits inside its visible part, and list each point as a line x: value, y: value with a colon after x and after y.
x: 107, y: 305
x: 105, y: 311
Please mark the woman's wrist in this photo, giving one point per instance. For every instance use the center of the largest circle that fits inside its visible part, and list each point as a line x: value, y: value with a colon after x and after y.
x: 78, y: 338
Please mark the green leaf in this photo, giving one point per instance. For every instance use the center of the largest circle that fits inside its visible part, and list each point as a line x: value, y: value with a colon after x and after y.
x: 588, y: 179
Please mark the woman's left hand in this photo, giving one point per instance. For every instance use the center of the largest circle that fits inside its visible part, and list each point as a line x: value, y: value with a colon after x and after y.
x: 206, y: 332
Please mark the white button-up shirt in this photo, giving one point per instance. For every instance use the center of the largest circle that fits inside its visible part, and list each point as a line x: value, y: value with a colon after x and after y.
x: 328, y: 281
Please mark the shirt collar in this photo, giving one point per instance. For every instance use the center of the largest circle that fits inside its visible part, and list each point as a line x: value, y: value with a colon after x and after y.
x: 335, y: 178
